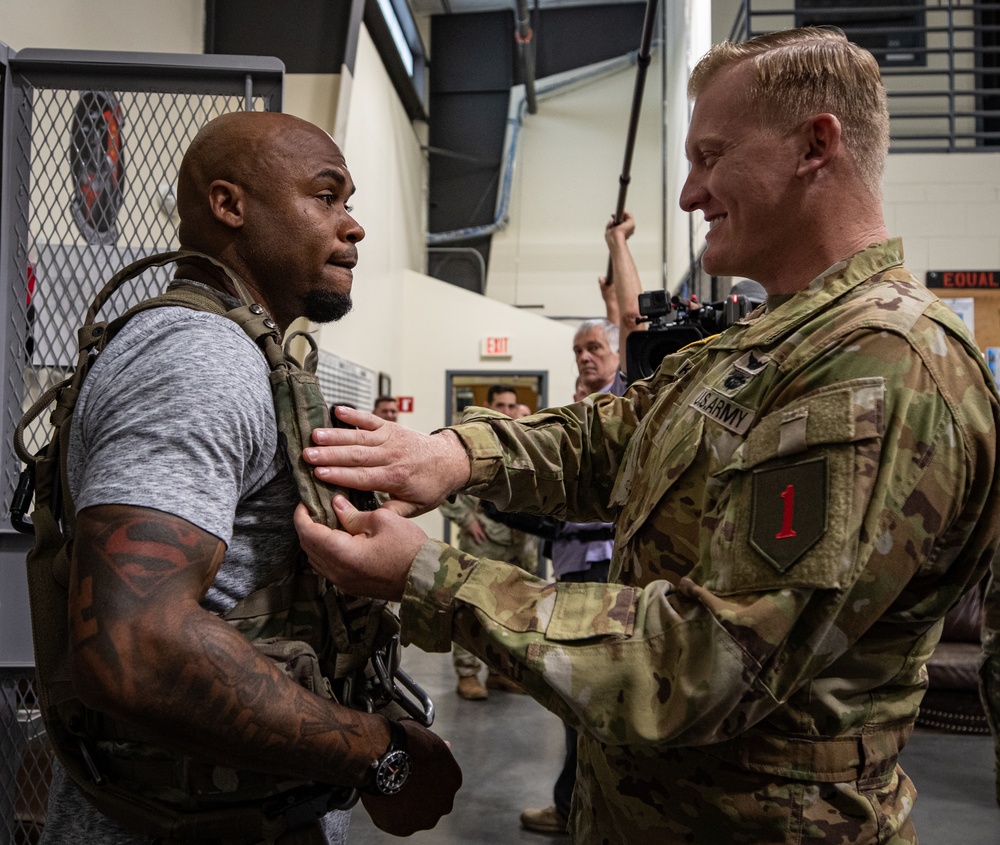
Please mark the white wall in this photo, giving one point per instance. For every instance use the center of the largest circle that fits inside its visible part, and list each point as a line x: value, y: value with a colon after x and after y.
x: 161, y: 26
x: 565, y: 190
x: 946, y: 208
x: 382, y: 148
x: 442, y: 331
x: 443, y: 328
x: 404, y: 323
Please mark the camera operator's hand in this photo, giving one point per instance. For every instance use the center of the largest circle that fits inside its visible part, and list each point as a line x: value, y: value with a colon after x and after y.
x: 418, y: 470
x: 615, y: 234
x: 428, y: 793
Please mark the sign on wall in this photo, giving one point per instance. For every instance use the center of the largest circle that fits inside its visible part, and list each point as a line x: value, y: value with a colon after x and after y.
x: 494, y: 347
x: 966, y: 279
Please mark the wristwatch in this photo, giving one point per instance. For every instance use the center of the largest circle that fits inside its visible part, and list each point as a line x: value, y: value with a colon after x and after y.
x: 393, y: 767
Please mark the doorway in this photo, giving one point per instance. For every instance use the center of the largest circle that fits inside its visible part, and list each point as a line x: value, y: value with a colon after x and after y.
x: 469, y: 387
x: 464, y: 388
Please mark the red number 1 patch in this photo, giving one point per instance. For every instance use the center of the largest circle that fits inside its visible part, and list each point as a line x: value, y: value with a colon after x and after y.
x: 788, y: 510
x: 786, y: 520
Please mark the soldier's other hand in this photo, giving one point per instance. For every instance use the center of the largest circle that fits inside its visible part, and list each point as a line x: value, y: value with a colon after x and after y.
x: 370, y: 555
x: 418, y: 470
x: 429, y: 792
x: 477, y: 531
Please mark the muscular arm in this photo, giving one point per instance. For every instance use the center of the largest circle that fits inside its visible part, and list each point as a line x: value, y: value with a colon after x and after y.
x: 144, y: 651
x: 626, y: 285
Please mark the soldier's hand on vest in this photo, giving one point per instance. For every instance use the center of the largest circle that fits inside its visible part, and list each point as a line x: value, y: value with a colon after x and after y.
x: 371, y: 556
x: 429, y: 792
x: 418, y: 470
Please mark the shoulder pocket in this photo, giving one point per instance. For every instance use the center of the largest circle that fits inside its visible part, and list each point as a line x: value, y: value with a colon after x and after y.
x: 796, y: 494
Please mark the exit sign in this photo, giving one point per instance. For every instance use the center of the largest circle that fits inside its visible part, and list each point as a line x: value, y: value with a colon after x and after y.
x: 495, y: 347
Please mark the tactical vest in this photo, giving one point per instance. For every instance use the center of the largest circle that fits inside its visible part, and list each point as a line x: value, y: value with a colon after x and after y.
x: 340, y: 647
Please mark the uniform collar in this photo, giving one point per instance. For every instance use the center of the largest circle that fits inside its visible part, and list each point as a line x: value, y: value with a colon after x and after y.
x: 765, y: 325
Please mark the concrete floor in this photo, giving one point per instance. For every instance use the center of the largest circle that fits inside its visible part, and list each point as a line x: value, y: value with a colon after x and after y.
x: 510, y: 750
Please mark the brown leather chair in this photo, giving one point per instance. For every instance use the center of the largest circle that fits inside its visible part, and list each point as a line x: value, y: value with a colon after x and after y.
x: 952, y: 702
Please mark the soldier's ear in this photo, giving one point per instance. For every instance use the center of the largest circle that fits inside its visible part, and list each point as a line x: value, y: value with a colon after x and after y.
x: 227, y: 202
x: 821, y: 137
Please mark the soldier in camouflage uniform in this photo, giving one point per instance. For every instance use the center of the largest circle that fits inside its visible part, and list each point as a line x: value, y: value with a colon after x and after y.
x: 798, y: 501
x: 481, y: 536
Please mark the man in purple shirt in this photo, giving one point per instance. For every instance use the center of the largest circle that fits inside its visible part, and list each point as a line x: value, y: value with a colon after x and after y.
x: 582, y: 551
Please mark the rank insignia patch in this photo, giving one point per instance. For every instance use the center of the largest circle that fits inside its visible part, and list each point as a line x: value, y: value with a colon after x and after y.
x: 788, y: 511
x: 752, y: 363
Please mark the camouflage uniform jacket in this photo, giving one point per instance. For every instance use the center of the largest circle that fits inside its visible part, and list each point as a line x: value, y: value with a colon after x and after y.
x: 798, y: 501
x: 502, y: 542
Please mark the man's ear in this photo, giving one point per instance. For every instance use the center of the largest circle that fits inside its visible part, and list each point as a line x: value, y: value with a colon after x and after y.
x: 822, y: 136
x: 226, y: 200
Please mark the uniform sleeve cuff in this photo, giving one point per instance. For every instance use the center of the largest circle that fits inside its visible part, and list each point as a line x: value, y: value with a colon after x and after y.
x: 483, y: 450
x: 436, y: 574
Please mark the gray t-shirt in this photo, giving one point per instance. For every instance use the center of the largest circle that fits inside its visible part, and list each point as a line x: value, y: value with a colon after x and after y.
x: 177, y: 415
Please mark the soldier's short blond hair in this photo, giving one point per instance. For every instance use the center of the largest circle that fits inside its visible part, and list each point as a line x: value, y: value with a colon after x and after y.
x: 801, y: 72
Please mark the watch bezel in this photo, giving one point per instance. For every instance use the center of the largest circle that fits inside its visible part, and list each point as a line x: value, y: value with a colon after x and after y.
x: 389, y: 781
x: 384, y: 781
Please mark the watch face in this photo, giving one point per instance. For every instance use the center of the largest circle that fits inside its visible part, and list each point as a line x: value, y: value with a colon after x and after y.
x: 393, y: 770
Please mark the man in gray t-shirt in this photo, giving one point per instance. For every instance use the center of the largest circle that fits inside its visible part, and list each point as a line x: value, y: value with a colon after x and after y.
x: 184, y: 502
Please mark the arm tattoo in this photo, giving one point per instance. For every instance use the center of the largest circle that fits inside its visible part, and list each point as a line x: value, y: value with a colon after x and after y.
x: 145, y: 551
x: 182, y: 673
x: 124, y: 560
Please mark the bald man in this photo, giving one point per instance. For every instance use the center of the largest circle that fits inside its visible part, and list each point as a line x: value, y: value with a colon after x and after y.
x: 157, y: 562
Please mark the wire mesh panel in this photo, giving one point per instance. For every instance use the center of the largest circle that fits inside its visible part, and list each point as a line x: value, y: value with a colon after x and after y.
x: 92, y: 143
x: 102, y: 194
x: 25, y: 760
x: 97, y: 140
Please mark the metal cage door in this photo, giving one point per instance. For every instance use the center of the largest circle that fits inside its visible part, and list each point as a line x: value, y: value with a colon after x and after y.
x: 91, y: 146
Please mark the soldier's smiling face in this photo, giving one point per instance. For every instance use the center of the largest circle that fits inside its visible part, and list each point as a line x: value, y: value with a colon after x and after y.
x: 743, y: 179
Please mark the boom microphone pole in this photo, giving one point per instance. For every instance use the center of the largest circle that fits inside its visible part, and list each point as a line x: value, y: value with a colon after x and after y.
x: 633, y: 123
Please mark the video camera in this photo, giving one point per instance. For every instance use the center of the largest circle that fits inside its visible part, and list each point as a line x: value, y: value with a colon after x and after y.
x: 692, y: 321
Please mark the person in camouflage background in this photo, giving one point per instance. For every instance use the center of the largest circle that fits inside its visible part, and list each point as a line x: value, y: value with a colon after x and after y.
x: 481, y: 536
x: 798, y: 501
